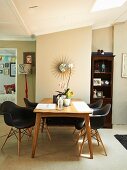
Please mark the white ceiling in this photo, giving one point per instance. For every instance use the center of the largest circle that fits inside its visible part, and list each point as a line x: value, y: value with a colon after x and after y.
x: 19, y: 21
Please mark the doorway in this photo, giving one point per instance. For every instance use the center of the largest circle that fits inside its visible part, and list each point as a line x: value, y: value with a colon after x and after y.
x: 8, y: 74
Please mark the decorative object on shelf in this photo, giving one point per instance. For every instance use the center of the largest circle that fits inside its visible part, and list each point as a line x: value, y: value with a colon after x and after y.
x: 100, y: 52
x: 99, y: 94
x: 124, y: 65
x: 102, y: 82
x: 97, y: 68
x: 25, y: 69
x: 106, y: 82
x: 103, y: 67
x: 94, y: 93
x: 97, y: 81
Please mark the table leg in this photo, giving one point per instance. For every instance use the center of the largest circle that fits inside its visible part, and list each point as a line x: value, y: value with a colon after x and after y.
x: 88, y: 133
x: 36, y: 131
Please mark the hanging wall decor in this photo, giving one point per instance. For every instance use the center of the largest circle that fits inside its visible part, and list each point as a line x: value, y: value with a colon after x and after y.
x: 12, y: 69
x: 61, y: 67
x: 29, y: 58
x: 124, y: 65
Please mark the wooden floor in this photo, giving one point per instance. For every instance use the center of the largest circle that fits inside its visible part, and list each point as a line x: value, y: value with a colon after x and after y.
x: 62, y: 153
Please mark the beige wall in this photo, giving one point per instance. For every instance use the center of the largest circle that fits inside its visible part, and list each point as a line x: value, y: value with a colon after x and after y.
x: 22, y: 46
x: 120, y: 84
x: 102, y: 39
x: 73, y: 44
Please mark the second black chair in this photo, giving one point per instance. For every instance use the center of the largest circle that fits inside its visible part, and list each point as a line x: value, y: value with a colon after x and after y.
x: 97, y: 120
x: 32, y: 105
x: 80, y: 121
x: 96, y: 105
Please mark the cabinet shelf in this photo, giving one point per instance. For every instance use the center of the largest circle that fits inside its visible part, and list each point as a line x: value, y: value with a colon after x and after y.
x: 102, y: 73
x: 104, y: 98
x: 102, y: 86
x: 102, y: 82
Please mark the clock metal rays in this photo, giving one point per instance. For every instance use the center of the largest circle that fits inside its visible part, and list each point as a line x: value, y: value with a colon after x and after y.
x: 60, y: 67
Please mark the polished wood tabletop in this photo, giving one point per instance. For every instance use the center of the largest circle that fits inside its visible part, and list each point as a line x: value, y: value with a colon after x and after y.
x: 70, y: 111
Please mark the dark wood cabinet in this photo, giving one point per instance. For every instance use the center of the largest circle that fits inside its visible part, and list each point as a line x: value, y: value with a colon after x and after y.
x: 102, y: 81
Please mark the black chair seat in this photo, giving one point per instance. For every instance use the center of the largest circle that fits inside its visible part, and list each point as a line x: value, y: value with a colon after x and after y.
x: 22, y: 124
x: 95, y: 106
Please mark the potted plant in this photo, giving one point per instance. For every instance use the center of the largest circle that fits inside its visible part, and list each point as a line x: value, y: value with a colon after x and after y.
x: 68, y: 94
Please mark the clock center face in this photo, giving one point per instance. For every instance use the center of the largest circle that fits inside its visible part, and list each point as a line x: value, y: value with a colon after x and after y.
x: 63, y: 67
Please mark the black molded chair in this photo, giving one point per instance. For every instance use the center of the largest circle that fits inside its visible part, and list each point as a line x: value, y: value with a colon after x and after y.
x: 32, y: 105
x: 96, y: 121
x: 97, y: 104
x: 19, y: 118
x: 80, y: 121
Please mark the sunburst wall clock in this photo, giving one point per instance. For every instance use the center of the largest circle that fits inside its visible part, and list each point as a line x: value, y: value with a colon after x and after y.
x: 62, y: 68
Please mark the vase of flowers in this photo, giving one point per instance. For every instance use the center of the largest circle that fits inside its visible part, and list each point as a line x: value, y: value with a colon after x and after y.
x: 67, y: 102
x: 68, y: 95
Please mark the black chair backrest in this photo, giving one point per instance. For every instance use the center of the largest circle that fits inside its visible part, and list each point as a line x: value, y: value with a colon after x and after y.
x: 102, y: 111
x: 13, y: 112
x: 97, y: 104
x: 29, y: 104
x: 97, y: 120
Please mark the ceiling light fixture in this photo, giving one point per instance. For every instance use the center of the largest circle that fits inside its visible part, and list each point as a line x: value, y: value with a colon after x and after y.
x: 35, y: 6
x: 107, y: 4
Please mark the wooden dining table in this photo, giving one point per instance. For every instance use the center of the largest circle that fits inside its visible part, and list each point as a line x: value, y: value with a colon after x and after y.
x: 71, y: 111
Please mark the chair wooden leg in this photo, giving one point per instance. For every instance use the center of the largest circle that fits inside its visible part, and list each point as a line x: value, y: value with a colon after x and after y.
x: 84, y: 137
x: 101, y: 142
x: 19, y: 141
x: 47, y: 129
x: 81, y: 133
x: 74, y: 131
x: 96, y: 136
x: 44, y: 125
x: 29, y: 131
x: 8, y: 136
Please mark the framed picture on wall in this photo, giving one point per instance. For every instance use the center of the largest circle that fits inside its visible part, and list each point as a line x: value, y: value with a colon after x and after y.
x: 124, y: 65
x: 97, y: 81
x: 6, y: 71
x: 1, y: 71
x: 6, y: 65
x: 1, y: 66
x: 12, y: 69
x: 99, y: 94
x: 29, y: 58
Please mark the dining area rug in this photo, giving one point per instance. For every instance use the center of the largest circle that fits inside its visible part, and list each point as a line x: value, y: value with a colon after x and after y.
x: 122, y: 139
